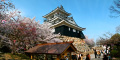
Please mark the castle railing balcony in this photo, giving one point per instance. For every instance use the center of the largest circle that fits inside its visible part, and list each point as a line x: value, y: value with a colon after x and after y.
x: 69, y: 18
x: 60, y: 16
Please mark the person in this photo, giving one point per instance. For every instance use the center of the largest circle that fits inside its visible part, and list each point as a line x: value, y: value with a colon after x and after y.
x: 109, y: 57
x: 95, y: 53
x: 88, y: 56
x: 66, y: 58
x: 107, y: 51
x: 98, y: 53
x: 101, y: 51
x: 74, y: 57
x: 81, y: 56
x: 105, y: 57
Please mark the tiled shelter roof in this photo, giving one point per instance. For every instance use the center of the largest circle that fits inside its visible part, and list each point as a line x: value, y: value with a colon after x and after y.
x: 51, y: 48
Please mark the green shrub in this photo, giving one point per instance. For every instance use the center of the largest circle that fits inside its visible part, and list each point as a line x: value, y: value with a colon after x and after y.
x: 114, y: 53
x: 19, y: 56
x: 23, y: 56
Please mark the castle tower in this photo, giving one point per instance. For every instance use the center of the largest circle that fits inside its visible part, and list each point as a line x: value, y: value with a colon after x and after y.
x: 63, y: 23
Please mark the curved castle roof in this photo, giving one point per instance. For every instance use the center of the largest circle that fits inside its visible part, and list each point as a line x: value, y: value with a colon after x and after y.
x: 64, y: 18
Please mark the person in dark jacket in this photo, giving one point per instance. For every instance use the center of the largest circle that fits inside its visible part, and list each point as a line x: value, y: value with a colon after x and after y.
x: 88, y: 57
x: 74, y: 57
x: 79, y: 57
x: 95, y: 53
x: 105, y: 57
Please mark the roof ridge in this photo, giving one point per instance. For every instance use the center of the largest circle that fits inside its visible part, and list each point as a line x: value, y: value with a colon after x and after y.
x: 60, y: 8
x: 55, y: 43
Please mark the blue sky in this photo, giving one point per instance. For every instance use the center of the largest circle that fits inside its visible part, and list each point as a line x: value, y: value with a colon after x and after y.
x: 90, y: 14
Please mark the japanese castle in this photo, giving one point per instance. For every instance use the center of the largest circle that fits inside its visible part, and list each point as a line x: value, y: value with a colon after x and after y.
x: 63, y: 23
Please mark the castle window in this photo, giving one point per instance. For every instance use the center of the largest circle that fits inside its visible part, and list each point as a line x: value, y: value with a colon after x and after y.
x: 55, y: 21
x: 59, y: 20
x: 69, y: 29
x: 52, y: 16
x: 74, y: 30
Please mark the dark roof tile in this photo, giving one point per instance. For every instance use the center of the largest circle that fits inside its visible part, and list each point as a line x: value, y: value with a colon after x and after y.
x: 50, y: 48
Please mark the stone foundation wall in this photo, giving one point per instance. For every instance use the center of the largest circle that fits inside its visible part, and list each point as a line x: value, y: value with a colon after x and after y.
x: 79, y: 44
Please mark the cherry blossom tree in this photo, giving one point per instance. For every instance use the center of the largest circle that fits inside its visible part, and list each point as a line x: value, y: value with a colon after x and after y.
x: 27, y: 33
x: 89, y: 42
x: 5, y: 6
x: 19, y: 32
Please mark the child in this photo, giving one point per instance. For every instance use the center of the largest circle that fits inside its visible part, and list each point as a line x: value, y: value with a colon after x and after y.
x: 66, y: 58
x: 109, y: 58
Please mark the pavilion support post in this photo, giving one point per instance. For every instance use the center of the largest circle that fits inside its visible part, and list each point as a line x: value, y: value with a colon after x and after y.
x: 31, y: 56
x: 45, y: 56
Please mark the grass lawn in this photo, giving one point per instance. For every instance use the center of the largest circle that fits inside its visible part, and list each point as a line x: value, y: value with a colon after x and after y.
x: 7, y: 56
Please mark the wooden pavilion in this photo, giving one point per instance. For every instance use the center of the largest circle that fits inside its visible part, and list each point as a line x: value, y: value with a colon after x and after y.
x: 52, y: 51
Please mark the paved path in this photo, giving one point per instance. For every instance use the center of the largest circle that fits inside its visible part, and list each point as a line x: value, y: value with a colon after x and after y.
x: 93, y: 57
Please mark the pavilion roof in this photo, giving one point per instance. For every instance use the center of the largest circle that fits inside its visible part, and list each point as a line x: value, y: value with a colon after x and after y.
x: 51, y: 48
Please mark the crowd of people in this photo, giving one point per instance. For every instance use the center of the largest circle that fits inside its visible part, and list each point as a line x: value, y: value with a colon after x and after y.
x: 106, y: 54
x: 97, y: 53
x: 77, y: 57
x: 80, y: 57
